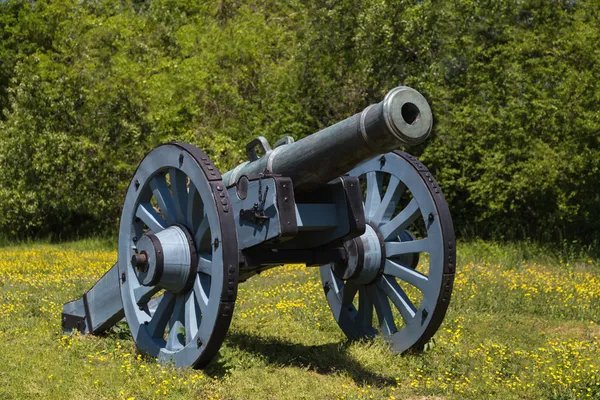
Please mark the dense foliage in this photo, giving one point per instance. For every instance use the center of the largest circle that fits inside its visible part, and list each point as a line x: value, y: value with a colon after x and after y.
x: 88, y: 87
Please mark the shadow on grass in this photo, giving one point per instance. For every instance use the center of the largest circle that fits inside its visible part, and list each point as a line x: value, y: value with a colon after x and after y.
x: 324, y: 359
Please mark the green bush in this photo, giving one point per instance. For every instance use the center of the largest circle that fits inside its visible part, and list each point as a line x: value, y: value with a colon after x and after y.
x: 87, y: 88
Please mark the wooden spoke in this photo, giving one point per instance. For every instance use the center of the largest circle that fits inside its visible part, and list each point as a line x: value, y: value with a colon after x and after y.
x: 390, y: 287
x: 383, y: 310
x: 388, y: 204
x: 408, y: 247
x: 175, y: 340
x: 200, y: 294
x: 162, y: 315
x: 192, y: 317
x: 163, y: 197
x: 200, y: 234
x: 348, y: 293
x: 195, y: 208
x: 409, y: 275
x: 365, y: 309
x: 143, y: 294
x: 150, y: 217
x: 374, y: 188
x: 401, y: 221
x: 205, y: 263
x: 180, y: 195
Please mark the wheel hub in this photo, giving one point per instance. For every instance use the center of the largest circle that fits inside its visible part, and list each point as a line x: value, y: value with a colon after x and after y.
x: 365, y: 258
x: 167, y: 259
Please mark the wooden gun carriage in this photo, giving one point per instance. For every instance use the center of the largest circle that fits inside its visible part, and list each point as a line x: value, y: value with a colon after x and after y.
x: 343, y: 199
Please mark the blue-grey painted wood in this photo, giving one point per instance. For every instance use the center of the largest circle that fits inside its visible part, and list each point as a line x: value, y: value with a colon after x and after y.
x: 250, y: 234
x: 319, y: 223
x: 316, y: 217
x: 101, y: 306
x: 74, y: 317
x: 327, y: 221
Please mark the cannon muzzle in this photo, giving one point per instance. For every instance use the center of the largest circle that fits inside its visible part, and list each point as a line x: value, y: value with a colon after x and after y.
x: 402, y: 118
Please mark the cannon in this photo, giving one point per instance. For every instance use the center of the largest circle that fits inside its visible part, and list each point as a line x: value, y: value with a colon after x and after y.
x: 372, y: 218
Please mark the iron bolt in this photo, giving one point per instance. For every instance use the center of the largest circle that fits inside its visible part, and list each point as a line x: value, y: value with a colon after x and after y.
x: 140, y: 261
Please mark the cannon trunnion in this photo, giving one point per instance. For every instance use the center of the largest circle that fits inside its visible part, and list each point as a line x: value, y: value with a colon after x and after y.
x: 372, y: 218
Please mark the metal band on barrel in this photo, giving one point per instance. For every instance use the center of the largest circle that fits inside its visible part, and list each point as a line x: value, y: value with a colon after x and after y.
x: 233, y: 176
x: 271, y: 156
x: 387, y: 115
x: 363, y: 129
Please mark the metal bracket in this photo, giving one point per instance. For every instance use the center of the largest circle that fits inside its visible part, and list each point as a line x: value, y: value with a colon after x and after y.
x: 254, y: 215
x: 354, y: 205
x: 283, y: 141
x: 265, y: 212
x: 260, y: 142
x: 286, y: 206
x: 71, y: 322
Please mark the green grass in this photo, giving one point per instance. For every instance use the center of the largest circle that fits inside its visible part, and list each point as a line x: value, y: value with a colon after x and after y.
x: 523, y: 324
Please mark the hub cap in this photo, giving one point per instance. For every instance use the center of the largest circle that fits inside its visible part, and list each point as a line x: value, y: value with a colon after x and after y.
x: 167, y: 259
x: 365, y: 255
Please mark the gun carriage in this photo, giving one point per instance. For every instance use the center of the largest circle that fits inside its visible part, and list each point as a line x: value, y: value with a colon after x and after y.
x: 343, y: 199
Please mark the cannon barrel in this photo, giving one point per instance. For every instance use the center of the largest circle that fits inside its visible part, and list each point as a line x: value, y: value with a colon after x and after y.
x: 402, y: 118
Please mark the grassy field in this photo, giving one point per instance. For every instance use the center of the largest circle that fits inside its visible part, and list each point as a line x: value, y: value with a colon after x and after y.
x: 523, y: 324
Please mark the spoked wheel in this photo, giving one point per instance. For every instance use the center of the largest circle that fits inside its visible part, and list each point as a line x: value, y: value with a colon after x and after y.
x: 178, y: 256
x: 402, y: 268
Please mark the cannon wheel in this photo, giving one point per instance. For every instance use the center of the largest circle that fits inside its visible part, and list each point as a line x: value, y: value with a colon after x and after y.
x: 408, y: 213
x: 177, y: 185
